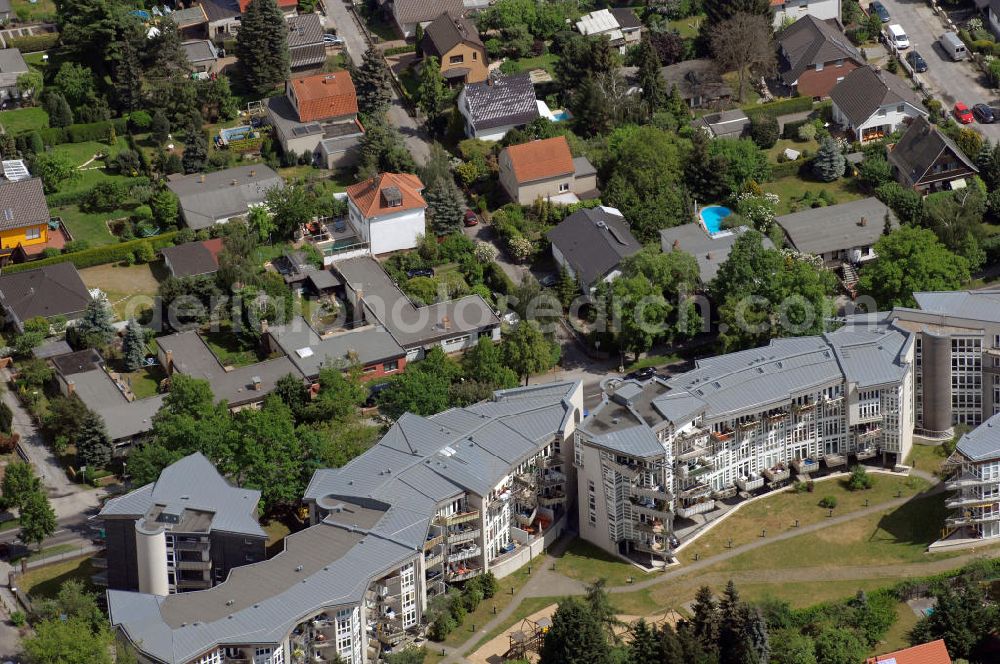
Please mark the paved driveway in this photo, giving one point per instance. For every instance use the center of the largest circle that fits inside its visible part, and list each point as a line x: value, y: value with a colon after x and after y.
x: 356, y: 44
x: 947, y: 80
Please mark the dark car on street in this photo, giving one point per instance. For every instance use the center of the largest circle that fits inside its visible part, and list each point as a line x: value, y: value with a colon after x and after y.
x: 373, y: 393
x: 879, y: 10
x: 420, y: 272
x: 470, y: 218
x: 642, y: 374
x: 915, y: 60
x: 984, y: 114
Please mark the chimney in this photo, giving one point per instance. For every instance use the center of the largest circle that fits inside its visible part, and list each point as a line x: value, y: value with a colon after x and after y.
x: 253, y: 172
x: 677, y: 245
x: 709, y: 255
x: 263, y: 326
x: 258, y: 384
x: 169, y: 362
x: 70, y: 387
x: 863, y: 222
x: 201, y: 178
x: 446, y: 323
x: 234, y: 182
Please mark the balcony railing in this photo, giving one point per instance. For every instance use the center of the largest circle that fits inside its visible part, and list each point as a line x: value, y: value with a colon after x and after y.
x: 464, y: 573
x: 654, y: 511
x: 434, y: 560
x: 959, y: 501
x: 834, y: 460
x: 553, y: 499
x: 776, y: 474
x: 433, y: 541
x: 655, y: 527
x: 867, y: 436
x: 656, y: 493
x: 464, y: 554
x: 865, y: 453
x: 525, y: 516
x: 551, y: 477
x: 693, y: 453
x: 971, y: 517
x: 460, y: 536
x: 200, y: 565
x: 697, y: 508
x: 631, y: 472
x: 747, y: 484
x: 968, y: 480
x: 201, y: 545
x: 696, y: 491
x: 805, y: 466
x: 200, y: 584
x: 461, y: 517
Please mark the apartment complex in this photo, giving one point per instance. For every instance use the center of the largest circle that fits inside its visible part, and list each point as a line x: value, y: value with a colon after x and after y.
x: 185, y: 531
x: 976, y: 501
x: 437, y: 500
x: 666, y: 450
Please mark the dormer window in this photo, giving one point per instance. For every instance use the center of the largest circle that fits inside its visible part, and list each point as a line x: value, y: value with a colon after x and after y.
x: 392, y: 196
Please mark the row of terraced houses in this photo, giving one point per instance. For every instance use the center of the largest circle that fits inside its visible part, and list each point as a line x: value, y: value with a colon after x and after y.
x: 442, y: 499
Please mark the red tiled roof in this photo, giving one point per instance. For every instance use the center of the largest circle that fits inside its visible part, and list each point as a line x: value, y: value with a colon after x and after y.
x: 367, y: 195
x: 927, y: 653
x: 322, y: 96
x: 284, y: 4
x: 539, y: 160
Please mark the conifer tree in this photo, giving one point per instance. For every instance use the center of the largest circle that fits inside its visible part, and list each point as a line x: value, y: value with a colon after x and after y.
x: 644, y: 648
x: 60, y: 114
x: 373, y: 82
x: 160, y: 127
x: 705, y: 616
x: 94, y: 329
x: 262, y: 46
x: 445, y: 205
x: 126, y: 76
x: 829, y: 163
x: 93, y: 446
x: 654, y: 88
x: 576, y: 636
x: 134, y: 346
x: 195, y: 150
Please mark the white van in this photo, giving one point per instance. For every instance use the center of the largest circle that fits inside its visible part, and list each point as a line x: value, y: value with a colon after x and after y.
x: 898, y: 37
x: 953, y: 46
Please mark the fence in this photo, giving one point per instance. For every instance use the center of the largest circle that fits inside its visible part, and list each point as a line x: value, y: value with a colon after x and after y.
x: 78, y: 552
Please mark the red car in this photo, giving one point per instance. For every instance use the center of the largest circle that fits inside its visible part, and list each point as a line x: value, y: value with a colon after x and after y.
x: 963, y: 114
x: 471, y: 219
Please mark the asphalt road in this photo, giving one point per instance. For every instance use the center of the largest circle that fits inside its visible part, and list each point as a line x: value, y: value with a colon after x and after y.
x: 946, y: 79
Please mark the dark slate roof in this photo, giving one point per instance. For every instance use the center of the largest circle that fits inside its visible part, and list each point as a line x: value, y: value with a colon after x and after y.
x: 220, y: 10
x: 501, y: 100
x: 866, y: 89
x: 447, y: 31
x: 920, y: 147
x: 191, y: 259
x: 710, y: 252
x: 594, y: 241
x: 77, y: 362
x: 22, y: 203
x: 627, y: 20
x: 52, y: 290
x: 810, y: 41
x: 836, y: 227
x: 727, y: 124
x: 304, y: 29
x: 983, y: 442
x: 418, y: 11
x: 696, y: 78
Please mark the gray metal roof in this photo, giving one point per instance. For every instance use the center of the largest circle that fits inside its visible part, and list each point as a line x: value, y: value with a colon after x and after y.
x: 205, y: 197
x: 983, y: 442
x: 864, y: 90
x: 501, y: 100
x: 710, y: 252
x: 194, y: 483
x: 811, y: 41
x: 310, y: 352
x: 727, y: 124
x: 983, y: 305
x: 594, y: 241
x: 409, y: 325
x: 11, y: 61
x: 199, y: 50
x: 418, y: 11
x: 837, y: 227
x: 920, y: 147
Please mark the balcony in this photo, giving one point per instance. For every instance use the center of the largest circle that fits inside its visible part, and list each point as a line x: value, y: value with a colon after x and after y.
x: 696, y: 491
x: 865, y: 453
x: 466, y: 535
x: 194, y: 584
x: 959, y: 501
x: 525, y: 515
x: 864, y: 438
x: 553, y: 499
x: 692, y: 470
x: 655, y: 527
x: 199, y: 565
x: 99, y: 563
x: 465, y: 554
x: 722, y: 437
x: 966, y: 480
x: 434, y: 559
x: 651, y: 509
x: 694, y: 453
x: 655, y: 492
x: 776, y: 474
x: 655, y: 547
x: 835, y: 460
x: 464, y: 573
x: 630, y: 472
x: 697, y: 508
x: 461, y: 517
x: 805, y: 466
x: 749, y: 483
x: 550, y: 477
x: 971, y: 517
x: 200, y: 545
x: 433, y: 541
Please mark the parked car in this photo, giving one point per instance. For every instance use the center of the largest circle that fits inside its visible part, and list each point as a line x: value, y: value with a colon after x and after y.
x: 984, y: 114
x: 420, y: 272
x: 471, y: 218
x: 333, y: 40
x: 962, y: 113
x: 549, y: 280
x: 953, y: 45
x: 898, y: 38
x: 915, y: 60
x: 879, y: 10
x: 373, y: 393
x: 641, y: 374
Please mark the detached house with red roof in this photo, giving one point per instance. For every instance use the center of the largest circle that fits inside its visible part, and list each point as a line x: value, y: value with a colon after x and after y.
x: 319, y: 116
x: 546, y: 169
x: 934, y: 652
x: 388, y: 211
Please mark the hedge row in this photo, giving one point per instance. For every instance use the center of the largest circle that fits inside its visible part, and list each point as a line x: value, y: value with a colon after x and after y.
x: 81, y: 133
x: 34, y: 43
x: 782, y: 107
x: 791, y: 129
x: 396, y: 50
x: 787, y: 168
x: 110, y: 253
x: 60, y: 199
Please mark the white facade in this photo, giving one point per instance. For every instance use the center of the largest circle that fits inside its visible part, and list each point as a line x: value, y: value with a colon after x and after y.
x: 390, y: 232
x: 790, y: 11
x: 884, y: 121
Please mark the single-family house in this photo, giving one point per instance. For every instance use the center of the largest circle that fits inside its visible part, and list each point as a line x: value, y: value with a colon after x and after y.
x: 215, y: 198
x: 934, y: 652
x: 591, y: 244
x: 223, y: 17
x: 727, y: 124
x: 455, y: 42
x: 370, y: 347
x: 305, y: 41
x: 202, y: 55
x: 193, y: 259
x: 497, y: 105
x: 711, y: 251
x: 48, y: 291
x: 318, y: 115
x: 388, y: 211
x: 872, y: 103
x: 24, y: 214
x: 621, y: 26
x: 192, y: 22
x: 814, y: 55
x: 786, y: 11
x: 408, y: 14
x: 926, y: 160
x: 12, y: 65
x: 843, y: 233
x: 699, y: 83
x: 6, y: 12
x: 546, y: 169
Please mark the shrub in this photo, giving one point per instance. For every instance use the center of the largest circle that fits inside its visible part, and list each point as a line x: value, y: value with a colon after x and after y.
x: 807, y: 131
x: 145, y: 253
x: 76, y: 245
x: 782, y: 107
x: 396, y: 50
x: 764, y: 131
x: 859, y: 479
x: 18, y: 619
x: 106, y: 196
x: 828, y: 502
x: 34, y: 43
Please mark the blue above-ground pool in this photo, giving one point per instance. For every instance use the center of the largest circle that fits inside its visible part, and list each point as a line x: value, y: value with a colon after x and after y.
x: 712, y: 216
x: 562, y: 115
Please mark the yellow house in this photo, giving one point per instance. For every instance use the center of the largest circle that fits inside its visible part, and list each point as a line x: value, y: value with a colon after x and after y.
x: 456, y: 44
x: 24, y: 215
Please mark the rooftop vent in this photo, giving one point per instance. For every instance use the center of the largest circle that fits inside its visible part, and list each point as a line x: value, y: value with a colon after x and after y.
x: 298, y: 568
x: 229, y: 602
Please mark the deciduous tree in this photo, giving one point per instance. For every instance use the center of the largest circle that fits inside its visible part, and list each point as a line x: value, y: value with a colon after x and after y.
x: 68, y: 642
x: 743, y: 42
x: 527, y: 351
x: 38, y: 519
x: 19, y: 482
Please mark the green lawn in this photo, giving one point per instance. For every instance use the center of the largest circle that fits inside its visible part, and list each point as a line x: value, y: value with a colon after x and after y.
x: 750, y: 95
x: 47, y: 552
x: 586, y: 562
x: 146, y: 381
x: 897, y: 637
x: 811, y: 145
x: 377, y: 23
x: 89, y: 226
x: 928, y: 458
x: 24, y: 119
x: 46, y: 581
x: 408, y: 79
x: 232, y: 350
x: 488, y: 607
x: 546, y: 61
x: 791, y: 189
x: 687, y: 27
x: 653, y: 361
x: 778, y: 513
x: 42, y: 10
